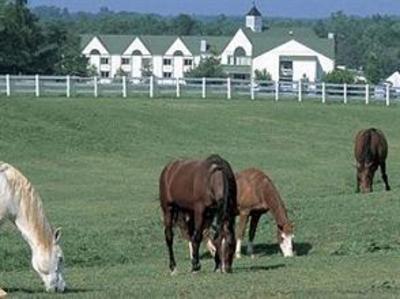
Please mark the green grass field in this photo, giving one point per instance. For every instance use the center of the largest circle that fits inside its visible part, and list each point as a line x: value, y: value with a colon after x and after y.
x: 96, y: 163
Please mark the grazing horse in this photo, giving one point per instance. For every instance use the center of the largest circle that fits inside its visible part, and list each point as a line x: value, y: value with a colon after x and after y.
x: 257, y: 195
x: 201, y: 190
x: 20, y: 203
x: 370, y: 151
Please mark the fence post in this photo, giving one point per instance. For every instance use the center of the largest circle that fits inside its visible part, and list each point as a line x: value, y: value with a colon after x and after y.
x: 203, y: 88
x: 323, y: 92
x: 345, y: 93
x: 8, y: 85
x: 151, y: 91
x: 37, y: 86
x: 124, y: 92
x: 252, y: 83
x: 178, y: 88
x: 68, y: 83
x: 366, y: 94
x: 276, y: 90
x: 228, y: 88
x: 299, y: 91
x: 387, y: 95
x: 95, y: 87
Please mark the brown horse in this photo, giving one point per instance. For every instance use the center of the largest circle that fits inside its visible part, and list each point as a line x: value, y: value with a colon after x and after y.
x: 256, y: 196
x: 370, y: 151
x: 201, y: 190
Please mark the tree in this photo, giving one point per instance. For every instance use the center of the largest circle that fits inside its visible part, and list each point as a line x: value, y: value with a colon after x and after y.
x: 339, y: 76
x: 183, y: 25
x: 21, y: 39
x: 209, y: 67
x: 262, y: 75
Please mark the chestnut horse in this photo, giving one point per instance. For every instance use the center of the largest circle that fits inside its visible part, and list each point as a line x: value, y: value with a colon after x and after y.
x: 256, y: 196
x: 201, y: 190
x: 370, y: 151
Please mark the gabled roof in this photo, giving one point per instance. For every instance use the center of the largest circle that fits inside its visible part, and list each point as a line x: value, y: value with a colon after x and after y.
x: 115, y: 44
x: 254, y: 12
x: 156, y: 44
x: 275, y: 36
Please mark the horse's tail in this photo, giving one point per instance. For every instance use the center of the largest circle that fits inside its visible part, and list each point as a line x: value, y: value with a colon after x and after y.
x: 367, y: 144
x: 230, y: 189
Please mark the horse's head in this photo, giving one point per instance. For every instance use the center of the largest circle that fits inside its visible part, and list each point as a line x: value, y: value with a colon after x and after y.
x: 285, y: 236
x: 49, y: 264
x: 365, y: 175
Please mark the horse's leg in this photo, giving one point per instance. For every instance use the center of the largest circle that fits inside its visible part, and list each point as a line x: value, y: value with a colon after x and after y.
x: 252, y: 232
x: 243, y: 218
x: 169, y: 236
x: 358, y: 184
x: 384, y: 176
x: 197, y: 237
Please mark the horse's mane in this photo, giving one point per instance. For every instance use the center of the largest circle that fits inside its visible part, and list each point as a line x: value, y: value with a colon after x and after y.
x: 29, y: 202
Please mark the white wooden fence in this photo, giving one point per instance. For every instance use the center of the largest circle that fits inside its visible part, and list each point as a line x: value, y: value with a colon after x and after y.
x: 72, y: 86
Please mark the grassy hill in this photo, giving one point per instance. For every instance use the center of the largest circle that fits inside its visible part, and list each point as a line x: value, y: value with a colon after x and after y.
x: 96, y: 164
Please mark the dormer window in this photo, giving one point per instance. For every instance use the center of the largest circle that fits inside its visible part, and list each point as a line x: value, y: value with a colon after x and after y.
x: 95, y: 52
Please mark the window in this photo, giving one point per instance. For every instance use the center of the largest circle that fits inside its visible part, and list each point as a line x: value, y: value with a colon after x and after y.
x: 95, y: 52
x: 104, y: 60
x: 188, y: 62
x: 125, y: 61
x: 167, y: 74
x: 105, y: 74
x: 167, y: 61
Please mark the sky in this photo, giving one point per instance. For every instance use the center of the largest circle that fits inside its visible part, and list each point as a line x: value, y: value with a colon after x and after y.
x: 274, y: 8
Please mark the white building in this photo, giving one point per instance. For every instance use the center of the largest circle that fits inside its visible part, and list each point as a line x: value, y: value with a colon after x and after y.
x: 287, y: 54
x: 394, y: 79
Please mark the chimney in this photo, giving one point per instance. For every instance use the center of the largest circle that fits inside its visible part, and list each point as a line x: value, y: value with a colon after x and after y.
x: 203, y: 46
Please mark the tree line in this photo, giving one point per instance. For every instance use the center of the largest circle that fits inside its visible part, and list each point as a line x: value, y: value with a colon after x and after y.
x: 45, y: 39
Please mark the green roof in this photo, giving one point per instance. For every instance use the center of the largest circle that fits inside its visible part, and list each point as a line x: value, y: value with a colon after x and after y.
x: 262, y: 41
x: 273, y: 37
x: 217, y: 43
x: 156, y: 44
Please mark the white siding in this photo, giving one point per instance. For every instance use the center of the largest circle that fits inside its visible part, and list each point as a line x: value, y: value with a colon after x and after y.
x: 305, y: 61
x: 177, y: 68
x: 95, y: 44
x: 137, y: 45
x: 158, y: 66
x: 178, y: 45
x: 239, y: 40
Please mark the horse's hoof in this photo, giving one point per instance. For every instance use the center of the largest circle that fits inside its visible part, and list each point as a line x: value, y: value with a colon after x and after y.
x: 174, y: 272
x: 253, y: 256
x: 238, y: 255
x: 196, y: 268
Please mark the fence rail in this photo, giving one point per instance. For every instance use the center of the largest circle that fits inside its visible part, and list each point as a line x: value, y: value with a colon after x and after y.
x: 152, y: 87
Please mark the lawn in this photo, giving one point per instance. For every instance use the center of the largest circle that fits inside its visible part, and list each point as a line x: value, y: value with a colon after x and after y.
x: 96, y: 163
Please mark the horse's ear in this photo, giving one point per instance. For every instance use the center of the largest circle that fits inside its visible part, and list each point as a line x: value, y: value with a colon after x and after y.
x: 57, y: 234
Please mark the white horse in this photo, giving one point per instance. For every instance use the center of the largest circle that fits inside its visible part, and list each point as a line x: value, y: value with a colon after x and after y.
x: 20, y: 203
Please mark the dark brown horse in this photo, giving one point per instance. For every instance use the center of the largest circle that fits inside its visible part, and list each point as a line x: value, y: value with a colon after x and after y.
x: 370, y: 151
x: 201, y: 190
x: 256, y: 196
